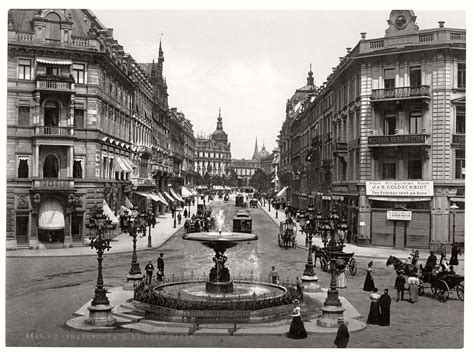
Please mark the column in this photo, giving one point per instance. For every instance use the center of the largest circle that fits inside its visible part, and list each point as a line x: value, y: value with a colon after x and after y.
x: 70, y: 162
x: 36, y: 162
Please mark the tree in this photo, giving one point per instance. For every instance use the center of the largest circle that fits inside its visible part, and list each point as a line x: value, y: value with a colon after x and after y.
x: 260, y: 180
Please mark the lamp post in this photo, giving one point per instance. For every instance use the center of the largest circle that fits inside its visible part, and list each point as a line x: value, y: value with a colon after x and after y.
x: 100, y: 234
x: 150, y: 217
x: 310, y: 229
x: 453, y: 208
x: 134, y: 227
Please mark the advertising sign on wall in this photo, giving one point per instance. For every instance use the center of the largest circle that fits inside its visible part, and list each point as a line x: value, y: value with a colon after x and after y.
x: 400, y: 188
x: 398, y: 215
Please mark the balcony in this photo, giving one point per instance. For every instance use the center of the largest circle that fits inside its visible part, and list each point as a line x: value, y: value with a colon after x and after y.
x: 54, y: 83
x: 418, y: 92
x: 56, y: 184
x: 145, y: 150
x: 459, y: 139
x: 398, y: 140
x: 53, y: 131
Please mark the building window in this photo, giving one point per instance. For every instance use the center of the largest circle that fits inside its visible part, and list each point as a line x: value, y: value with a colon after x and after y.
x: 23, y: 167
x: 77, y: 169
x: 51, y: 114
x: 415, y: 76
x: 53, y: 29
x: 415, y: 166
x: 416, y: 123
x: 460, y: 164
x: 51, y: 167
x: 389, y: 170
x: 23, y: 116
x: 79, y: 119
x: 461, y: 75
x: 390, y: 124
x: 460, y: 120
x: 24, y: 69
x: 389, y: 78
x: 79, y: 72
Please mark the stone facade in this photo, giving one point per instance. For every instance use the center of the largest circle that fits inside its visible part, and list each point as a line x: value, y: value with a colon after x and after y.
x: 391, y: 114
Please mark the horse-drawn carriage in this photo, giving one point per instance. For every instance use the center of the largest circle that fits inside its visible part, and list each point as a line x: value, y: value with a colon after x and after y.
x: 253, y: 203
x: 325, y: 255
x: 242, y: 222
x: 440, y: 284
x: 287, y: 235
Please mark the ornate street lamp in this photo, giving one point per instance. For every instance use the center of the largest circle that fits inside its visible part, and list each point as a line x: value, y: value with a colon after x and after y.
x: 100, y: 234
x: 133, y: 228
x: 149, y: 219
x: 310, y: 230
x: 453, y: 208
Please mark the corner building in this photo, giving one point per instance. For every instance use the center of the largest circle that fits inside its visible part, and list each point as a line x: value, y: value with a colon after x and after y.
x: 86, y: 128
x: 383, y: 141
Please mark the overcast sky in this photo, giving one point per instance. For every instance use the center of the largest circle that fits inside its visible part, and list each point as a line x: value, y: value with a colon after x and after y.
x: 247, y: 62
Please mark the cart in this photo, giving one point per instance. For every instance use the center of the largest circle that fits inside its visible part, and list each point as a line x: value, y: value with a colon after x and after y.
x: 287, y: 235
x: 325, y: 255
x: 441, y: 284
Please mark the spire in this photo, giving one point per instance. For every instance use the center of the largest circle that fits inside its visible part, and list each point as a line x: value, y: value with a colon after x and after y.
x: 161, y: 59
x: 219, y: 121
x: 153, y: 70
x: 310, y: 80
x: 255, y: 150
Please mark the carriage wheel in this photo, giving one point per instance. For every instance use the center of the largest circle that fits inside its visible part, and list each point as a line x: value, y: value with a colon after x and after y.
x: 443, y: 291
x: 460, y: 290
x: 421, y: 289
x: 324, y: 265
x: 352, y: 266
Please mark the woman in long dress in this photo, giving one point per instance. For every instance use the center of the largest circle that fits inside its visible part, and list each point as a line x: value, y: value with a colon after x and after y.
x: 374, y: 311
x: 413, y: 283
x: 297, y: 330
x: 369, y: 284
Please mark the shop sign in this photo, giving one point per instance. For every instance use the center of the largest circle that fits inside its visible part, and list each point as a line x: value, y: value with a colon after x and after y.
x: 399, y: 215
x: 400, y: 188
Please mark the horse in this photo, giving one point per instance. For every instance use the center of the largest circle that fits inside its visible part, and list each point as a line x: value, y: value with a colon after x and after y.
x: 399, y: 265
x: 288, y: 236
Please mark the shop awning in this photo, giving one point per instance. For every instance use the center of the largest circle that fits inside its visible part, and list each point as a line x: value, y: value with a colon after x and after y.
x: 163, y: 200
x: 129, y: 163
x: 158, y: 198
x: 109, y: 213
x: 176, y: 195
x: 185, y: 192
x: 194, y: 191
x: 166, y: 194
x: 58, y: 62
x: 128, y: 203
x: 281, y: 192
x: 51, y: 216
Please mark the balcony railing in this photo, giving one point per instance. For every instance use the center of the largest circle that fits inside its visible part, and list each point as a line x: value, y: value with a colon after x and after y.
x: 53, y: 183
x: 53, y: 131
x: 459, y: 139
x: 422, y: 91
x: 397, y: 140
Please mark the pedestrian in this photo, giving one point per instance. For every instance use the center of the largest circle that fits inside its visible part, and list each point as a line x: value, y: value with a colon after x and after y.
x: 185, y: 213
x: 455, y: 251
x: 413, y: 283
x: 274, y: 278
x: 160, y: 265
x: 179, y: 218
x: 153, y: 220
x: 374, y: 310
x: 342, y: 336
x: 149, y: 272
x: 384, y: 303
x: 400, y: 285
x: 369, y: 284
x: 431, y: 262
x: 297, y: 330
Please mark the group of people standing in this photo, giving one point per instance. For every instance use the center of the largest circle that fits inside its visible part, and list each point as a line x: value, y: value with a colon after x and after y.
x: 149, y: 268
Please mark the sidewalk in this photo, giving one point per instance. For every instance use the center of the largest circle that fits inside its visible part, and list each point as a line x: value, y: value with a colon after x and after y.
x: 121, y: 243
x: 375, y: 252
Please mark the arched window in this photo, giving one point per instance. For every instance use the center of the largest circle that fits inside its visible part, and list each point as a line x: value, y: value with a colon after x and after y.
x: 53, y: 28
x: 51, y: 114
x: 50, y: 167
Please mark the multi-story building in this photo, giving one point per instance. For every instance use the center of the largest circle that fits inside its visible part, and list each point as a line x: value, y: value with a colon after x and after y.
x: 384, y: 139
x: 86, y: 127
x: 246, y: 168
x: 213, y: 153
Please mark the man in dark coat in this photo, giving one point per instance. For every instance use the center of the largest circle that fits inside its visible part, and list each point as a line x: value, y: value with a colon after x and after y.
x: 400, y: 285
x: 149, y: 272
x: 160, y: 265
x: 342, y: 336
x: 384, y: 303
x: 431, y: 262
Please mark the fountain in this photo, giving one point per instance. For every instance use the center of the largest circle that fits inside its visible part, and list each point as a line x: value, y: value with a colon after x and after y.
x: 218, y: 297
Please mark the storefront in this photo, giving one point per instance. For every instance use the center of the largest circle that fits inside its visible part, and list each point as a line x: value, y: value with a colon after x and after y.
x: 400, y: 213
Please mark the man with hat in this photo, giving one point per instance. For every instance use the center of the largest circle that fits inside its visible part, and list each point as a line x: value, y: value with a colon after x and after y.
x: 149, y: 272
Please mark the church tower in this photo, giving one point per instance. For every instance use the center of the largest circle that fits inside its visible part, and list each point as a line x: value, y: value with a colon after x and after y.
x: 255, y: 151
x: 160, y: 89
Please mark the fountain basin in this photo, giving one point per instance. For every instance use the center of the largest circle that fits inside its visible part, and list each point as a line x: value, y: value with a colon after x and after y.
x: 220, y: 240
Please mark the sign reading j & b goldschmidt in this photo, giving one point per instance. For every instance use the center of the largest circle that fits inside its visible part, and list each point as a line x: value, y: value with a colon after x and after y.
x: 400, y: 188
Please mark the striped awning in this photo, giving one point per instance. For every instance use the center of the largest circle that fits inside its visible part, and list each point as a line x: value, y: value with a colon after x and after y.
x: 176, y: 195
x: 129, y: 163
x: 121, y: 166
x: 51, y: 215
x: 168, y: 196
x: 128, y: 203
x: 58, y: 62
x: 185, y: 192
x: 109, y: 213
x: 281, y: 192
x: 163, y: 200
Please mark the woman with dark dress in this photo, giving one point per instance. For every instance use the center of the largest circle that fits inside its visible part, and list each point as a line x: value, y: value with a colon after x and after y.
x: 369, y: 284
x: 297, y: 330
x: 374, y: 311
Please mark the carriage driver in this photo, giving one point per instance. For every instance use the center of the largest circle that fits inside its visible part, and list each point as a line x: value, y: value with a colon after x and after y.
x: 431, y: 262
